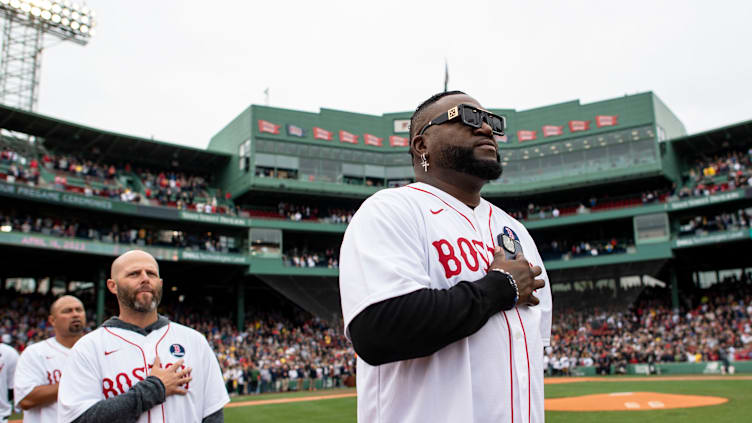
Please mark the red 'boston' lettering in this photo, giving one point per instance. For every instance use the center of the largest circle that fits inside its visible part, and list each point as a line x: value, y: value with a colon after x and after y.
x: 447, y: 258
x: 107, y: 388
x: 123, y: 376
x: 138, y: 373
x: 480, y: 247
x: 56, y: 375
x: 465, y: 249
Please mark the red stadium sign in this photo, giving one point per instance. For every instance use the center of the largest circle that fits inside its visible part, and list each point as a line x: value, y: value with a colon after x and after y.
x: 397, y: 141
x: 345, y: 136
x: 372, y: 140
x: 322, y: 134
x: 266, y: 126
x: 552, y: 130
x: 606, y: 120
x: 579, y: 125
x: 524, y: 135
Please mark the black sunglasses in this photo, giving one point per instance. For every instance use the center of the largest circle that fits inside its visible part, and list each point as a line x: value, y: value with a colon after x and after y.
x: 471, y: 116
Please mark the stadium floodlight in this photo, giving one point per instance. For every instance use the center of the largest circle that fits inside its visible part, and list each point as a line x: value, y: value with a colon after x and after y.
x: 25, y: 25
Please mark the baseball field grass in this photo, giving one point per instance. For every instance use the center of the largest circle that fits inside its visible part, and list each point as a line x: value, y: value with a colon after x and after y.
x: 337, y: 408
x: 339, y: 405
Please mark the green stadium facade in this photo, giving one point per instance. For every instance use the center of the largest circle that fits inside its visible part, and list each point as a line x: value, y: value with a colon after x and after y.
x: 562, y: 155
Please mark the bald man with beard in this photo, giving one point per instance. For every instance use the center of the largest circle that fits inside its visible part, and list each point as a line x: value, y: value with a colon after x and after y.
x: 40, y: 365
x: 139, y: 366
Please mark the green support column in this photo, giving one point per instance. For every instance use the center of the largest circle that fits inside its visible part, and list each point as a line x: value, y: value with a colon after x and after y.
x: 101, y: 288
x: 674, y: 290
x: 241, y: 304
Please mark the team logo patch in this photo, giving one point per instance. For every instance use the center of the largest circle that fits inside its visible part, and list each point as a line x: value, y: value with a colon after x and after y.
x: 177, y: 350
x: 510, y: 232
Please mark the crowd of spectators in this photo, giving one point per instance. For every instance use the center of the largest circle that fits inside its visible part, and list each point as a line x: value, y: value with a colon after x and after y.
x: 723, y: 172
x: 273, y: 352
x: 176, y: 188
x: 702, y: 225
x: 172, y: 189
x: 305, y: 258
x: 713, y: 324
x: 565, y: 249
x: 116, y: 233
x: 276, y: 351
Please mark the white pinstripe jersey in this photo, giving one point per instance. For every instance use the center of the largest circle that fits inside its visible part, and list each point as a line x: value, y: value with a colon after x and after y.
x: 8, y: 361
x: 108, y: 361
x: 405, y: 239
x: 40, y: 364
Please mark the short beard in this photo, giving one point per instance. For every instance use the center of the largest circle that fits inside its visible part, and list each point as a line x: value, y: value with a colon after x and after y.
x: 75, y: 328
x: 463, y: 160
x: 128, y: 298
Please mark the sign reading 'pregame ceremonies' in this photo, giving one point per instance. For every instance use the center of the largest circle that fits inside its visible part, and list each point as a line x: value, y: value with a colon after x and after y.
x: 552, y: 130
x: 524, y: 135
x: 579, y: 125
x: 345, y: 136
x: 266, y: 126
x: 397, y: 141
x: 372, y: 140
x: 322, y: 134
x: 295, y: 131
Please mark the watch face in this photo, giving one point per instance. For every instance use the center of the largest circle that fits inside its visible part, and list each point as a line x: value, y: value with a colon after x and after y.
x: 508, y: 243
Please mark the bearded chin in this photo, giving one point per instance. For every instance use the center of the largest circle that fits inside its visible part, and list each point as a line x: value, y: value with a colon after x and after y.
x: 130, y: 301
x: 463, y: 160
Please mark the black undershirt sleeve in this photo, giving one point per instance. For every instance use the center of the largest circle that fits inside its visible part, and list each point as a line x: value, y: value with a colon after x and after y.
x: 422, y: 322
x: 127, y: 407
x: 215, y: 417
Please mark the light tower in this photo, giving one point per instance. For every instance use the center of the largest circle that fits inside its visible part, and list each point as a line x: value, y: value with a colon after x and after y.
x: 25, y: 24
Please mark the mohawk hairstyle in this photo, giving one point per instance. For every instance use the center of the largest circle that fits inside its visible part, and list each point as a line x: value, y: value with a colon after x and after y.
x: 418, y: 114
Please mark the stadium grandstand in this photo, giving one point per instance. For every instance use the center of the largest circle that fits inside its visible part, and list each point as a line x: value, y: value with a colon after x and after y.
x: 644, y: 230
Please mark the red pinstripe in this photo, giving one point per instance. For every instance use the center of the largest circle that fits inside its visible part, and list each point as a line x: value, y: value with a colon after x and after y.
x: 143, y: 356
x: 157, y: 355
x: 528, y: 363
x: 490, y: 232
x: 511, y: 376
x: 448, y: 205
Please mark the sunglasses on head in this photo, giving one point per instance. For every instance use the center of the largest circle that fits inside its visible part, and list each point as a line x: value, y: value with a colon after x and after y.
x: 471, y: 116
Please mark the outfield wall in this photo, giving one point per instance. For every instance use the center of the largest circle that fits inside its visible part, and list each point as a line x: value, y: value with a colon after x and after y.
x: 704, y: 368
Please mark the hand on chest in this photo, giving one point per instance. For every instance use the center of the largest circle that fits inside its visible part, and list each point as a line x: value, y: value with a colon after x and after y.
x: 128, y: 358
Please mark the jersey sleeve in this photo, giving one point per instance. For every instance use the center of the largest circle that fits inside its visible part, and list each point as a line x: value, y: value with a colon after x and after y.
x: 80, y: 384
x: 30, y: 373
x: 382, y: 254
x: 215, y: 393
x: 11, y: 362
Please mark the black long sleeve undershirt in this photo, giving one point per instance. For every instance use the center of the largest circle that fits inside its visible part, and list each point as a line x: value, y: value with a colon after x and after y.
x: 422, y: 322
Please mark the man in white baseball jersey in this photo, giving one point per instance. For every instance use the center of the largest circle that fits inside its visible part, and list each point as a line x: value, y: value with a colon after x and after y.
x: 116, y: 373
x: 8, y: 360
x: 437, y: 284
x: 41, y: 364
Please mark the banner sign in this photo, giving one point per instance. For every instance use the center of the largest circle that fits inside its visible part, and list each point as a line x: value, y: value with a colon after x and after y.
x: 552, y: 130
x: 345, y: 136
x: 401, y: 125
x: 606, y: 120
x: 295, y: 131
x: 266, y: 126
x: 397, y: 141
x: 524, y: 135
x: 372, y: 140
x: 579, y: 125
x: 103, y: 248
x: 501, y: 138
x: 322, y: 134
